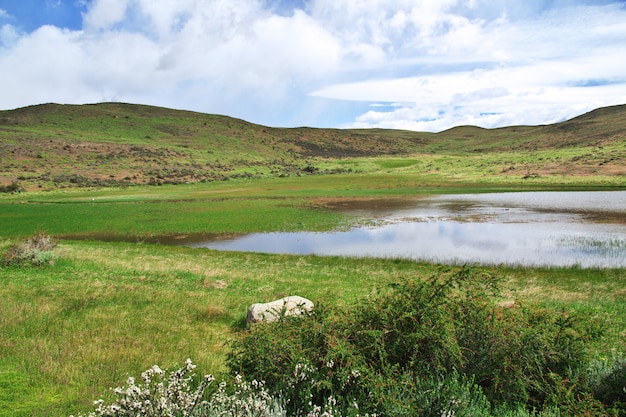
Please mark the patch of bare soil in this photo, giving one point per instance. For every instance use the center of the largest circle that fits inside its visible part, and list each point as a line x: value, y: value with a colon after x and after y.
x: 351, y: 204
x: 577, y: 168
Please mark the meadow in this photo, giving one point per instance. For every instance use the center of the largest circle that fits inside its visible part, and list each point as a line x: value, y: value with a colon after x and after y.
x: 109, y: 302
x: 105, y: 310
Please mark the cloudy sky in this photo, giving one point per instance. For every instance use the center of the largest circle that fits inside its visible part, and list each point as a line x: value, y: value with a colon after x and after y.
x: 412, y: 64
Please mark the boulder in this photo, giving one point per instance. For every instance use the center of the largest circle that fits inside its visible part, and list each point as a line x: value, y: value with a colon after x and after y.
x: 268, y: 312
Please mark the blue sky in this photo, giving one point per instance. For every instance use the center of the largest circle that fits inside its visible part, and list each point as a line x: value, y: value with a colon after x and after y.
x: 409, y: 64
x: 29, y: 15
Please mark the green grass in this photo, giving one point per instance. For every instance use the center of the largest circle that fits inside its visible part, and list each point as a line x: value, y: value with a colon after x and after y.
x: 162, y: 217
x: 105, y: 311
x: 242, y: 206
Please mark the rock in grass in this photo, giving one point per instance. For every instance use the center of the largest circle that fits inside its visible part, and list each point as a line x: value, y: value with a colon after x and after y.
x: 288, y: 306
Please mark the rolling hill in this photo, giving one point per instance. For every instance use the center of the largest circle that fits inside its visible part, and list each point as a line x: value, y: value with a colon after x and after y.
x: 52, y: 145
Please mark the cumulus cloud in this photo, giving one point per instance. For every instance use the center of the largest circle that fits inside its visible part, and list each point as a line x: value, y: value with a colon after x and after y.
x: 8, y: 35
x: 426, y: 65
x: 495, y: 72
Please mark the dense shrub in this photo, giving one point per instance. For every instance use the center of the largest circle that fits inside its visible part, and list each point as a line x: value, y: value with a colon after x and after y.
x: 433, y: 347
x: 35, y: 250
x: 606, y: 378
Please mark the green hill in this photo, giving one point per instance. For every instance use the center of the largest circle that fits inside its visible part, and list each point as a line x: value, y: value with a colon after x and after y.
x: 53, y: 145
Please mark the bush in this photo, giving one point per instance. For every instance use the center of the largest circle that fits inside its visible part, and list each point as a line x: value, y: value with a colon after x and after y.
x: 160, y: 394
x: 35, y: 250
x: 179, y: 393
x: 433, y: 347
x: 14, y: 187
x: 606, y: 378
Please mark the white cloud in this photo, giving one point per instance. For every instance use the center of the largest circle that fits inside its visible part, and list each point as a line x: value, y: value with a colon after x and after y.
x: 447, y: 62
x: 103, y: 14
x: 531, y: 72
x: 8, y: 36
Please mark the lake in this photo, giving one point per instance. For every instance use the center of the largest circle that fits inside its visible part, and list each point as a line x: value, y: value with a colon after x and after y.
x: 587, y: 229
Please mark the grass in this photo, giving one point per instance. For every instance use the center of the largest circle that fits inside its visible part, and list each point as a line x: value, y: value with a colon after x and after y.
x: 106, y: 310
x: 143, y: 219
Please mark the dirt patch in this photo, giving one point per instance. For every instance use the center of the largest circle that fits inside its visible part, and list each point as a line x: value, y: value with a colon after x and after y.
x: 365, y: 204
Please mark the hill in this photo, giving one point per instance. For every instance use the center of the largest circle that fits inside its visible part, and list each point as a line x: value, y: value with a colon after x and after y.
x: 596, y: 128
x: 53, y: 145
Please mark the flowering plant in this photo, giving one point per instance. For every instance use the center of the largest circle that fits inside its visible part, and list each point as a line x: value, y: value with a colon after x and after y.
x: 160, y: 394
x: 163, y: 394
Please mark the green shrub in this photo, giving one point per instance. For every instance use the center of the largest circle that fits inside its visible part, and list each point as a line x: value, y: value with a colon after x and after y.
x: 424, y: 347
x: 35, y: 250
x: 606, y: 378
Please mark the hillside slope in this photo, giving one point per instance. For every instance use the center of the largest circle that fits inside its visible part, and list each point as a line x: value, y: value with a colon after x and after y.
x: 53, y: 145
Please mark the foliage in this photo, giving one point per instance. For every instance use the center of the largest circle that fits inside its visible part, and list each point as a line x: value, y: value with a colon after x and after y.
x: 160, y: 394
x: 424, y: 347
x: 171, y: 394
x: 14, y: 187
x: 35, y: 250
x: 606, y: 378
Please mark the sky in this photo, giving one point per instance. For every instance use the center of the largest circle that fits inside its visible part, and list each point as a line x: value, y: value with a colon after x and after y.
x: 425, y: 65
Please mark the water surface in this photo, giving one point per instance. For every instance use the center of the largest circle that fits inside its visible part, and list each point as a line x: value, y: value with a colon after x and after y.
x: 587, y: 229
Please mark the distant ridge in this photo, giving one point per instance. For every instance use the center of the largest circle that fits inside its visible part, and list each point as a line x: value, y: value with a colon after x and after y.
x: 120, y: 143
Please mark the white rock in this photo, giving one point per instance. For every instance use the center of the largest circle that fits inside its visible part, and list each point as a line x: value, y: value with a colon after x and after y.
x: 268, y: 312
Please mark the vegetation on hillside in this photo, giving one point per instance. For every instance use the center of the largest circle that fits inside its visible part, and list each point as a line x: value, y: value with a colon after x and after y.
x: 50, y: 146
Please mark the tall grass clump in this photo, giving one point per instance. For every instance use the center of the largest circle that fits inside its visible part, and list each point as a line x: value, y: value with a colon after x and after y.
x: 36, y: 250
x: 442, y: 346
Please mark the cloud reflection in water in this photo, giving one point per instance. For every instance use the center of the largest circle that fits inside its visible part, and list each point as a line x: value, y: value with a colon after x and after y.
x: 525, y: 229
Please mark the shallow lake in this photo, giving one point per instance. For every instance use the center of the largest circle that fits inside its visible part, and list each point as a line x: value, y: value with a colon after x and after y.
x: 587, y: 229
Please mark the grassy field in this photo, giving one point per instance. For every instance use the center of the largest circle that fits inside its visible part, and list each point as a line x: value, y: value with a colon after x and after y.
x: 104, y: 310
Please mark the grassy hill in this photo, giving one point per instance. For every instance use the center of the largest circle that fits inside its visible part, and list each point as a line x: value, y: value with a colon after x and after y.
x: 52, y: 145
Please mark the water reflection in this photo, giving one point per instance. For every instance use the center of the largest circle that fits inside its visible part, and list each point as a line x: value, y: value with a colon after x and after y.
x: 557, y: 229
